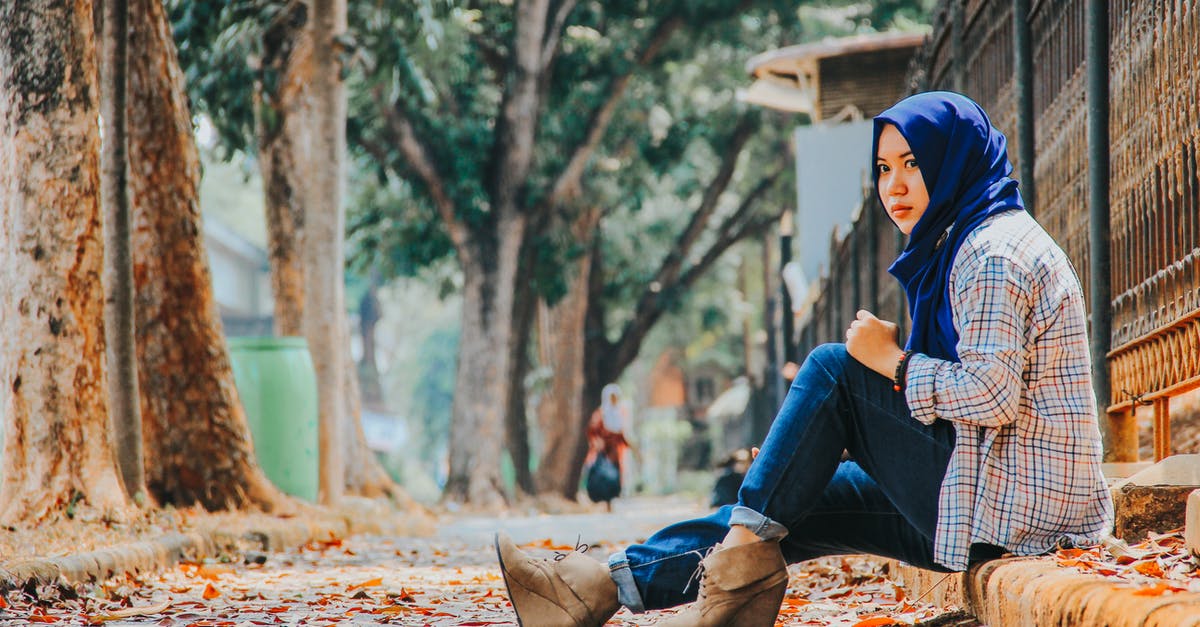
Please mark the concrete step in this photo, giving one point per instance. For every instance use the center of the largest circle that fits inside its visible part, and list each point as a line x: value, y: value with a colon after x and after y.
x: 1154, y: 499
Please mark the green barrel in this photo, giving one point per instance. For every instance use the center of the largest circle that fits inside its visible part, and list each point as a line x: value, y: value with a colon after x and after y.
x: 278, y: 388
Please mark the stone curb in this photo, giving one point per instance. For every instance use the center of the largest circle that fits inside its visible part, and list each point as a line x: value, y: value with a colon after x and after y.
x: 1037, y: 591
x: 166, y: 550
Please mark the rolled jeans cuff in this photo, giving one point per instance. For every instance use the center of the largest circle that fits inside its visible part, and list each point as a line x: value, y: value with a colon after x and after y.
x: 627, y: 592
x: 763, y: 527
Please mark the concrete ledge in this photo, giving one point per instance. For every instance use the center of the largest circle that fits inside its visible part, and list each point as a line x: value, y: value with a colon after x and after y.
x: 1037, y: 591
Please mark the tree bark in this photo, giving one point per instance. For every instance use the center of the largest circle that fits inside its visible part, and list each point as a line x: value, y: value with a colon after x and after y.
x: 370, y: 311
x: 57, y: 453
x: 284, y: 118
x: 197, y: 442
x: 324, y: 231
x: 481, y: 385
x: 285, y: 148
x: 123, y: 396
x: 516, y: 422
x: 561, y: 339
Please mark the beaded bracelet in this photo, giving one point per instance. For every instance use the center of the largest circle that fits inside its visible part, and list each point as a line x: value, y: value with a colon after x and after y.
x: 901, y: 371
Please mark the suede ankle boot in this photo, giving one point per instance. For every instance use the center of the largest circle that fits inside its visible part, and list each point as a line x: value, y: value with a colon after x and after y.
x: 572, y: 590
x: 740, y: 586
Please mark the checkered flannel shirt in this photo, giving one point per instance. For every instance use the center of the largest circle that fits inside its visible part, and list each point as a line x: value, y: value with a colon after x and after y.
x: 1025, y: 472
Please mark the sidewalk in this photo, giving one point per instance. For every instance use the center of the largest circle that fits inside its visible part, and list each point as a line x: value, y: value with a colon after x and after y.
x: 363, y: 567
x: 448, y: 577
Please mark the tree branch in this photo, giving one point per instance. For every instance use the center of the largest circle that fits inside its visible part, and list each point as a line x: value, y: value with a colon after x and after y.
x: 417, y: 154
x: 567, y: 182
x: 733, y: 230
x: 492, y: 56
x: 672, y: 264
x: 520, y: 108
x: 554, y: 31
x: 650, y: 306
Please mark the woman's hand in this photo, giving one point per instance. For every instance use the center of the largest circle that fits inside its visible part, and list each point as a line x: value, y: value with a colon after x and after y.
x: 873, y: 343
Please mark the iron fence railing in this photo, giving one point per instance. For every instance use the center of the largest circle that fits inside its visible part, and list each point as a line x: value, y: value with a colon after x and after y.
x: 1154, y: 132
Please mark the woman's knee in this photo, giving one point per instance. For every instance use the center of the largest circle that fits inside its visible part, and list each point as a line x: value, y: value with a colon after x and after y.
x: 831, y: 356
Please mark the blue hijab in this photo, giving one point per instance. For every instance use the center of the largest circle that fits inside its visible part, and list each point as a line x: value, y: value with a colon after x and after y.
x: 964, y: 161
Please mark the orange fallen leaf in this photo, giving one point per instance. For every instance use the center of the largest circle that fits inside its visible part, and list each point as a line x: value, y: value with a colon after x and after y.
x: 210, y: 592
x: 42, y: 618
x: 212, y: 573
x: 1150, y: 568
x: 548, y: 544
x: 366, y: 584
x: 876, y: 621
x: 1152, y: 591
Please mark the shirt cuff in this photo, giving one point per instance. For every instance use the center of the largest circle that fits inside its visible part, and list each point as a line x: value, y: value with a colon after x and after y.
x: 918, y: 387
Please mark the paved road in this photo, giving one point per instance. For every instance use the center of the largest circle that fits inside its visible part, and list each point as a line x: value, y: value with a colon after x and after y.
x: 450, y: 578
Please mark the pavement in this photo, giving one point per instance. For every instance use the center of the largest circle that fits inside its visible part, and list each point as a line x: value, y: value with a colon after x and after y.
x: 356, y: 568
x: 338, y: 570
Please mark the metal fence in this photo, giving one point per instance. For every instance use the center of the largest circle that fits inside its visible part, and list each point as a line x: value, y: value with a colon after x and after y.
x: 1154, y: 195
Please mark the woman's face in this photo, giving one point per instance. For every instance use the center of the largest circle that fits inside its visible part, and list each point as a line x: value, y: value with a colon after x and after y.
x: 901, y: 186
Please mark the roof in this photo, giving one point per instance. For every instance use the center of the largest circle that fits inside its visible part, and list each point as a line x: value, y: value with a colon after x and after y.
x: 789, y: 59
x: 835, y: 78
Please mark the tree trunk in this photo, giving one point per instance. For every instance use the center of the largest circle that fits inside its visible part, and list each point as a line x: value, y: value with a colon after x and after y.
x: 561, y: 339
x: 369, y: 314
x: 481, y: 386
x: 324, y: 231
x: 123, y: 395
x: 52, y: 396
x: 364, y: 475
x: 285, y: 146
x: 516, y: 423
x: 198, y: 445
x: 284, y: 119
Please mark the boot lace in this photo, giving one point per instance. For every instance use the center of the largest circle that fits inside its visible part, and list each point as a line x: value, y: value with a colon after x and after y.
x: 698, y: 574
x: 580, y: 547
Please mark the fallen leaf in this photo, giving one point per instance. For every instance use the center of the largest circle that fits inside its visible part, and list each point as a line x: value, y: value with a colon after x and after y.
x: 210, y: 592
x: 1150, y: 568
x: 212, y: 573
x: 128, y: 612
x: 877, y: 621
x: 366, y: 584
x: 1153, y: 591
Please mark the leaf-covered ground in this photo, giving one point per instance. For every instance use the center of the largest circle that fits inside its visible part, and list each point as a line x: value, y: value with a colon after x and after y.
x: 451, y: 578
x: 397, y: 581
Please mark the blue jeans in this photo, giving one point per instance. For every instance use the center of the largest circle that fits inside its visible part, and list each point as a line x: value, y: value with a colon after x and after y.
x: 882, y: 502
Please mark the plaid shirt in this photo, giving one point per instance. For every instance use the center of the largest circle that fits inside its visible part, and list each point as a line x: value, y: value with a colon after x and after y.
x: 1025, y: 472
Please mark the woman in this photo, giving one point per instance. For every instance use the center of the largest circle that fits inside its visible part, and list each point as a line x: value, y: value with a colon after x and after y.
x: 605, y: 461
x: 978, y: 438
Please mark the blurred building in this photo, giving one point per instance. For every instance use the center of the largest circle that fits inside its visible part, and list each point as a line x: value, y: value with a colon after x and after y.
x: 241, y: 280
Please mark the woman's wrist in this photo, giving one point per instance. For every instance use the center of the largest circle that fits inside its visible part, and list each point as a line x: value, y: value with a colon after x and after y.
x: 900, y: 376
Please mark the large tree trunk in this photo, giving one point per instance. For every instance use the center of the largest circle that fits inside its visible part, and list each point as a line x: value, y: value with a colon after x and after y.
x: 284, y: 119
x: 324, y: 228
x: 52, y: 394
x: 285, y: 147
x: 561, y: 339
x: 198, y: 445
x: 516, y: 423
x: 481, y: 386
x: 123, y: 397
